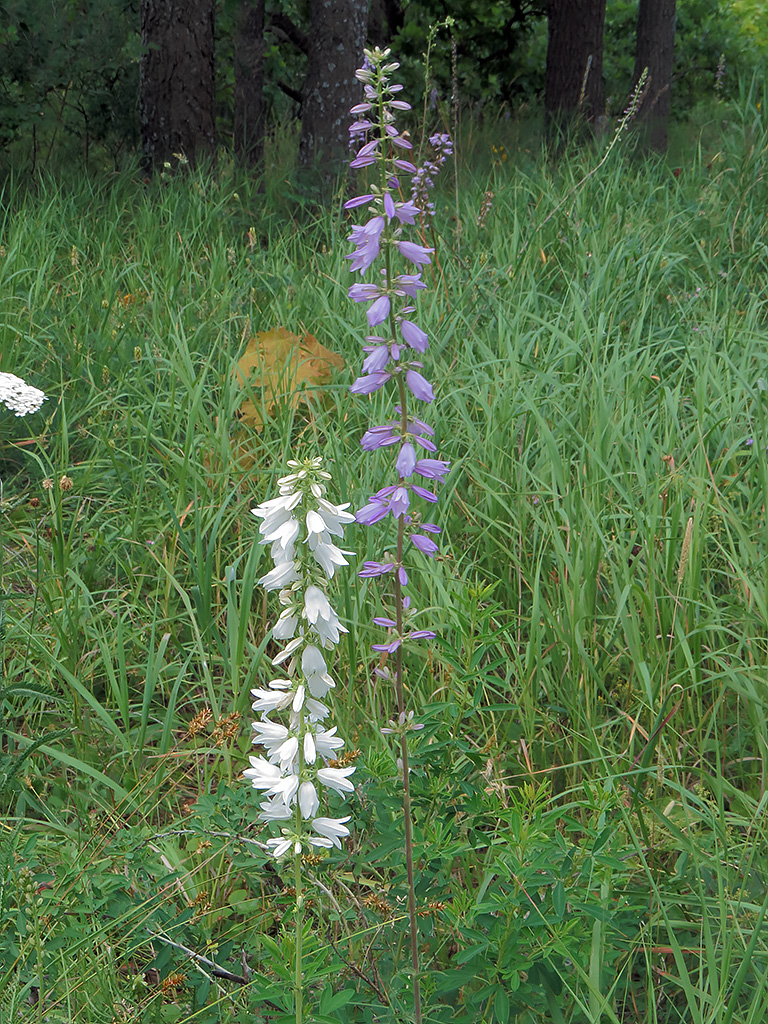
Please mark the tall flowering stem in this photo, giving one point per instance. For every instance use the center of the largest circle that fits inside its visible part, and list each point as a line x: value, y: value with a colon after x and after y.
x: 392, y: 360
x: 300, y: 761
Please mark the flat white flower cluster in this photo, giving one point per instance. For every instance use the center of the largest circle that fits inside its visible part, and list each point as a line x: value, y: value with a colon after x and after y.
x: 300, y: 524
x: 19, y: 397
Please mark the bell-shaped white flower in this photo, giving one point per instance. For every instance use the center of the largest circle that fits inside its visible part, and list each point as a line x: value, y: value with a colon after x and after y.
x: 282, y: 574
x: 262, y: 774
x: 337, y: 779
x: 309, y: 802
x: 331, y: 829
x: 319, y: 613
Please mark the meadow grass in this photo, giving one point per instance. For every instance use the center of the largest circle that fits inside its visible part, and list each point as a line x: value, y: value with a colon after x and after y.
x: 590, y: 788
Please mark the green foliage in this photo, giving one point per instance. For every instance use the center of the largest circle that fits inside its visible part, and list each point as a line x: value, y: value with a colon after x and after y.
x: 69, y: 72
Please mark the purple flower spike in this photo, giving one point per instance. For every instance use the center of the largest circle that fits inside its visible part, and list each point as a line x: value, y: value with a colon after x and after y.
x: 419, y: 386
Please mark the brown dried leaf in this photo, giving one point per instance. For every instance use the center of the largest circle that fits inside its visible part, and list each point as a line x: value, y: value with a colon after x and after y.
x: 285, y: 367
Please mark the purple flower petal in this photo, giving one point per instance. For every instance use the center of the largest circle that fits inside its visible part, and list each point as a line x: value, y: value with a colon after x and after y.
x: 402, y: 575
x: 425, y: 544
x: 402, y: 165
x: 425, y: 444
x: 390, y: 648
x: 369, y: 148
x: 379, y: 311
x: 417, y: 254
x: 431, y: 528
x: 414, y: 335
x: 432, y: 469
x: 407, y: 212
x: 400, y: 501
x: 406, y: 460
x: 408, y: 284
x: 423, y: 493
x: 364, y: 292
x: 381, y: 621
x: 358, y: 201
x: 419, y: 386
x: 422, y: 634
x: 372, y: 569
x: 376, y: 360
x: 378, y: 437
x: 370, y: 383
x: 371, y: 513
x: 389, y: 205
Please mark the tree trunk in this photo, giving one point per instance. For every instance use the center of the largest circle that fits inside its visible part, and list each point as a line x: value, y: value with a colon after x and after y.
x: 337, y: 38
x: 574, y: 71
x: 655, y: 51
x: 177, y: 80
x: 249, y: 83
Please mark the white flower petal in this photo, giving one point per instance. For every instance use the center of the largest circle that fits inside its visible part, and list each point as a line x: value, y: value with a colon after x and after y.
x: 309, y: 802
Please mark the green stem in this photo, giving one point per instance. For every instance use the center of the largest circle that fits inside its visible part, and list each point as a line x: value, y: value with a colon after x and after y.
x: 399, y: 688
x: 298, y: 977
x: 298, y: 980
x: 400, y: 697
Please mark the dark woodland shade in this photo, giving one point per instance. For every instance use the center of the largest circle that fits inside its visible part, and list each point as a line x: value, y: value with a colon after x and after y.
x: 249, y: 123
x: 574, y: 72
x: 177, y: 80
x: 330, y: 89
x: 655, y: 51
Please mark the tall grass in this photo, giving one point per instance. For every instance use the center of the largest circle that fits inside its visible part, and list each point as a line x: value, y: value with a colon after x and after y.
x: 592, y: 782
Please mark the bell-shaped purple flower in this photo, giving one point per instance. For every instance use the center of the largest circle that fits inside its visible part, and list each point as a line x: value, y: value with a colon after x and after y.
x: 406, y: 460
x: 379, y: 311
x: 418, y: 386
x: 417, y: 254
x: 414, y: 336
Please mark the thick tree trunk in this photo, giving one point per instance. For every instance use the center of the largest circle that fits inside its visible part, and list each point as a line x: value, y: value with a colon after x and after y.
x: 337, y: 38
x: 656, y: 52
x: 177, y: 80
x: 249, y: 83
x: 573, y: 85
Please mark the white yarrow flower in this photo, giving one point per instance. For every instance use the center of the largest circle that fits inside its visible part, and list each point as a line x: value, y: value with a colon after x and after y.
x: 19, y: 397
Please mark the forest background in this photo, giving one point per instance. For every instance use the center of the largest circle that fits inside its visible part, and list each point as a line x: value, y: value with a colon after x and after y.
x: 70, y: 71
